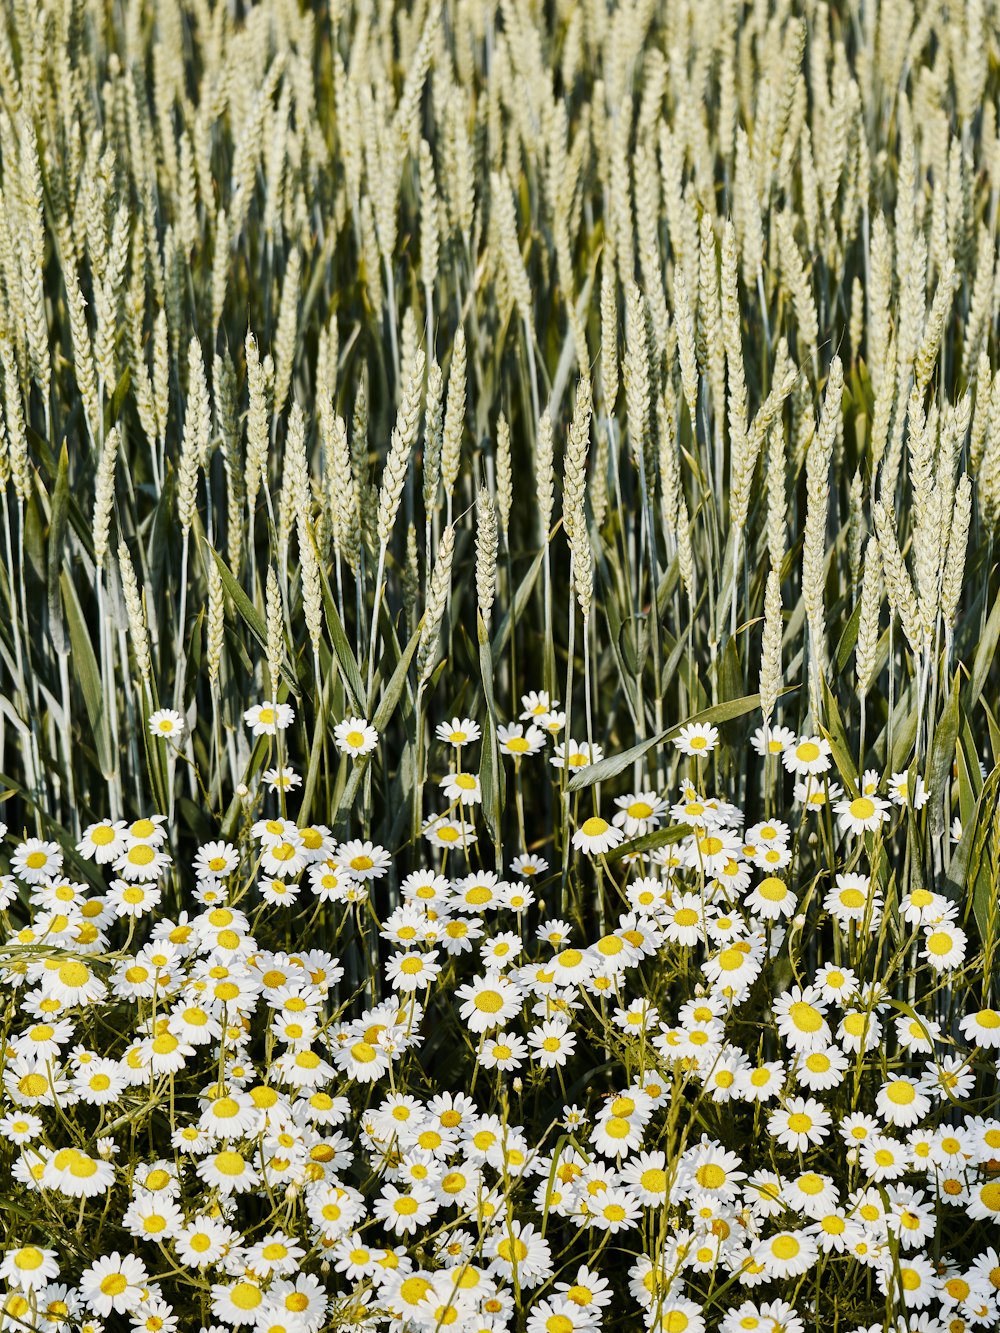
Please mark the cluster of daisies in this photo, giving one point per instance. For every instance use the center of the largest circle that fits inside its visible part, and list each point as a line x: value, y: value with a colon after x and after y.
x: 759, y: 1074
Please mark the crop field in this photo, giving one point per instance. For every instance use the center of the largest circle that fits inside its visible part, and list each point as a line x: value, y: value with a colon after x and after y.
x: 499, y: 693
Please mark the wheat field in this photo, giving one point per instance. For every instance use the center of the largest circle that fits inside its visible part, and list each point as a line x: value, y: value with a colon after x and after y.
x: 499, y: 709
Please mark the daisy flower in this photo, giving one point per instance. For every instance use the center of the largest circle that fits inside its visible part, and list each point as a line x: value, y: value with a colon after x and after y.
x: 682, y: 921
x: 516, y: 897
x: 281, y: 779
x: 552, y: 723
x: 710, y: 851
x: 504, y: 1051
x: 519, y: 1247
x: 458, y: 732
x: 708, y: 1168
x: 29, y: 1268
x: 761, y: 1083
x: 411, y: 971
x: 355, y: 736
x: 772, y: 740
x: 575, y: 754
x: 863, y: 814
x: 133, y: 899
x: 268, y: 718
x: 167, y: 724
x: 882, y: 1158
x: 735, y: 966
x: 151, y: 830
x: 801, y: 1018
x: 821, y: 1069
x: 70, y: 981
x: 787, y: 1254
x: 36, y: 860
x: 300, y: 1303
x: 982, y: 1028
x: 501, y: 950
x: 859, y: 1030
x: 616, y: 1136
x: 771, y: 856
x: 647, y: 895
x: 278, y: 892
x: 151, y: 1218
x: 402, y: 1211
x: 764, y: 1194
x: 448, y: 834
x: 900, y: 1101
x: 984, y: 1200
x: 614, y: 1210
x: 238, y: 1303
x: 20, y: 1127
x: 529, y: 866
x: 488, y: 1002
x: 462, y: 787
x: 596, y: 836
x: 115, y: 1282
x: 899, y: 790
x: 363, y: 860
x: 771, y: 899
x: 552, y: 1042
x: 944, y: 946
x: 103, y: 842
x: 913, y: 1281
x: 922, y: 907
x: 850, y: 899
x: 142, y: 862
x: 100, y: 1082
x: 639, y: 813
x: 696, y: 739
x: 811, y: 1193
x: 815, y: 796
x: 514, y: 740
x: 810, y: 755
x: 535, y: 704
x: 800, y: 1124
x: 645, y: 1174
x: 229, y: 1172
x: 588, y: 1292
x: 911, y: 1216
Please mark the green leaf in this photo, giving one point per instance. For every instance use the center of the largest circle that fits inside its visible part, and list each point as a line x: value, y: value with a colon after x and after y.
x: 57, y: 538
x: 942, y: 755
x: 617, y: 763
x: 985, y: 652
x: 396, y: 685
x: 89, y: 676
x: 346, y: 660
x: 251, y: 616
x: 492, y: 779
x: 661, y: 837
x: 837, y: 736
x: 633, y: 642
x: 970, y: 778
x: 315, y: 758
x: 114, y: 408
x: 256, y: 762
x: 967, y: 859
x: 848, y: 639
x: 513, y: 614
x: 727, y: 582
